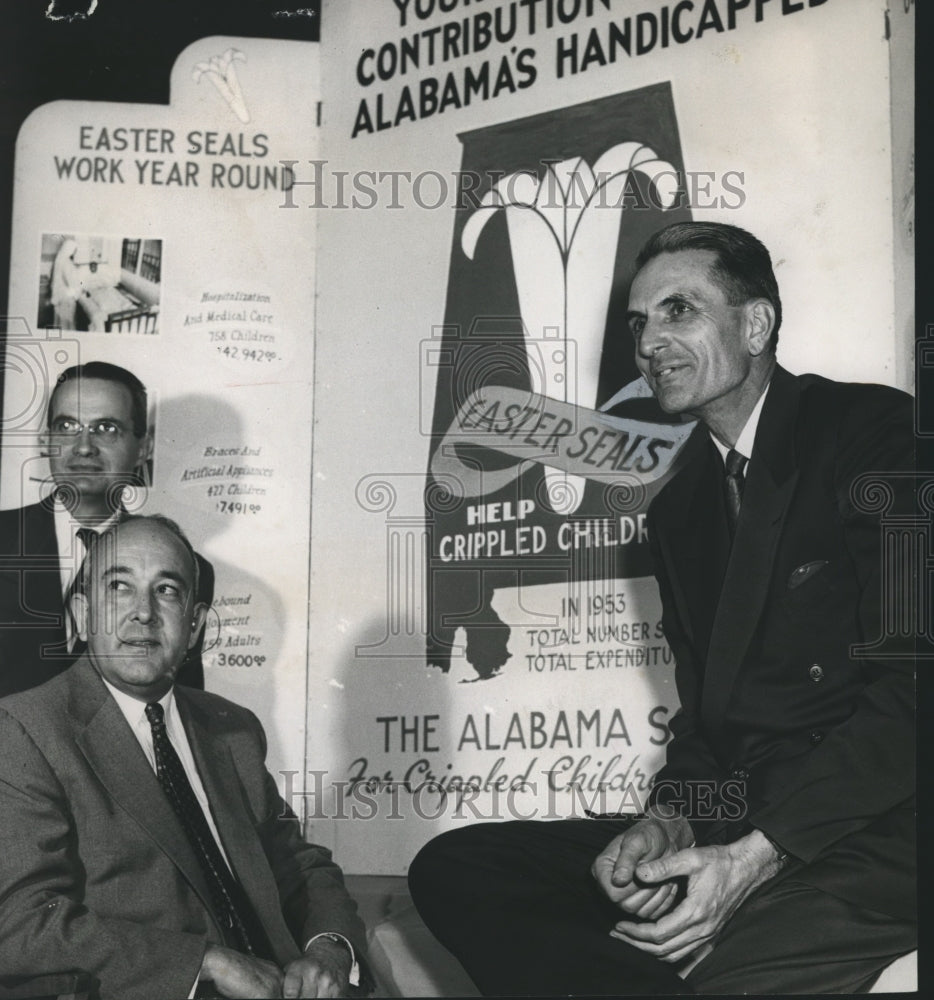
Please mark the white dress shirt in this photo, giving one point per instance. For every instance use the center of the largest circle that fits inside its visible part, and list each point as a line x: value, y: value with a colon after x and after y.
x: 134, y: 711
x: 747, y: 435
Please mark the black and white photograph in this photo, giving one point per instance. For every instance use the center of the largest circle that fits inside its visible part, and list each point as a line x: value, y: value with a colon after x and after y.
x: 100, y: 284
x: 465, y: 498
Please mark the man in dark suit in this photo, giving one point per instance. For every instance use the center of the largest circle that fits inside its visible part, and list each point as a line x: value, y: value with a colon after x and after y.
x: 144, y: 842
x: 98, y: 441
x: 777, y: 854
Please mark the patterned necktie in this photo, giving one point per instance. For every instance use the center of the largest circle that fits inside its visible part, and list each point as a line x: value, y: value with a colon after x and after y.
x: 734, y: 481
x: 228, y: 900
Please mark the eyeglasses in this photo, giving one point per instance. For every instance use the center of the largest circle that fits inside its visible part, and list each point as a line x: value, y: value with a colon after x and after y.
x: 104, y: 431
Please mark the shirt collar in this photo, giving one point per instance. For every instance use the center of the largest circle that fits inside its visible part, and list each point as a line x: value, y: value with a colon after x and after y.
x: 134, y: 710
x: 747, y: 435
x: 66, y: 527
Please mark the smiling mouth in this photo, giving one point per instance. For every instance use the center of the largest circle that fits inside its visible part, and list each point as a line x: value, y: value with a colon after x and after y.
x: 663, y: 371
x: 141, y: 643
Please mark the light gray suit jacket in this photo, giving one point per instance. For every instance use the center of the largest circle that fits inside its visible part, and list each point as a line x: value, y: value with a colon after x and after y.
x: 96, y: 873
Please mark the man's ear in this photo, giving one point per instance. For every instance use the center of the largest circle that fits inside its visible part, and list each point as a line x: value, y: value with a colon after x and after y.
x: 79, y: 610
x: 145, y: 448
x: 761, y: 318
x: 45, y: 442
x: 198, y: 615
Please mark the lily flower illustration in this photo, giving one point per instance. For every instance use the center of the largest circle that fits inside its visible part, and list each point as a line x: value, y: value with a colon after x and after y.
x: 563, y: 232
x: 53, y: 14
x: 220, y: 70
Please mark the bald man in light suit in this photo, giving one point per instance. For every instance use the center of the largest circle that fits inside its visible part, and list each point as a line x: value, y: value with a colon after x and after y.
x: 101, y: 869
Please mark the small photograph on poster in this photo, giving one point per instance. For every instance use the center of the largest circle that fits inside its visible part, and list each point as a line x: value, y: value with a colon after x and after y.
x: 103, y: 284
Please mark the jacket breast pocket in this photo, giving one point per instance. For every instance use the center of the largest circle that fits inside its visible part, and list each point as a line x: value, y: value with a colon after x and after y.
x: 809, y: 586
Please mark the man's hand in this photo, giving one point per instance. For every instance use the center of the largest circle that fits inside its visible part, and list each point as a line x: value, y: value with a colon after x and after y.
x: 238, y: 975
x: 323, y: 971
x: 615, y: 867
x: 719, y: 879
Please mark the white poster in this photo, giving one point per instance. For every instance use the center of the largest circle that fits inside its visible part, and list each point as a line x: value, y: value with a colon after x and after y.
x: 155, y: 238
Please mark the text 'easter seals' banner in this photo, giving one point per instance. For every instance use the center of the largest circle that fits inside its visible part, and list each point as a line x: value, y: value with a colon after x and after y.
x: 546, y: 444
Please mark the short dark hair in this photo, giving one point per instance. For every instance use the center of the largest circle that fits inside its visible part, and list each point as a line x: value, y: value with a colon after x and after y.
x: 139, y: 403
x: 166, y: 522
x: 743, y: 267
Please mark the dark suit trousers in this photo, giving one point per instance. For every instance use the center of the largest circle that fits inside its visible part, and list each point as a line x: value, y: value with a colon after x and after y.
x: 517, y: 905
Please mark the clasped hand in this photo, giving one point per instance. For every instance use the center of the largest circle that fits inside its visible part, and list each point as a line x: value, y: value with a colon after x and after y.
x: 638, y: 872
x: 323, y: 971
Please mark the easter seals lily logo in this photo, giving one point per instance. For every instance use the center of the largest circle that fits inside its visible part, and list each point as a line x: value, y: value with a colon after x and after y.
x: 563, y: 230
x: 222, y: 72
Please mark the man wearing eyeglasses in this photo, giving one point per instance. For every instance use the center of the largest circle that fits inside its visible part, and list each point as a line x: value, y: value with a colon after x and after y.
x: 98, y: 442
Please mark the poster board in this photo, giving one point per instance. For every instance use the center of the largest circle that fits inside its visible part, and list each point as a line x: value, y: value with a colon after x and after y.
x: 428, y: 106
x: 763, y: 101
x: 187, y: 271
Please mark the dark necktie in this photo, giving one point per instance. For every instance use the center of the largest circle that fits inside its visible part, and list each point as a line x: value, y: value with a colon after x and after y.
x: 734, y: 481
x: 228, y: 900
x: 88, y: 538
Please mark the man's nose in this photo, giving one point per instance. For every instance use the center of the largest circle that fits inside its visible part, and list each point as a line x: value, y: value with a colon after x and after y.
x: 145, y: 606
x: 651, y: 339
x: 85, y: 443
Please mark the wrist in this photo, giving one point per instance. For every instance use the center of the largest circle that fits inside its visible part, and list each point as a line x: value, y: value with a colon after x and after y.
x: 781, y: 856
x: 767, y: 857
x: 679, y: 833
x: 339, y: 946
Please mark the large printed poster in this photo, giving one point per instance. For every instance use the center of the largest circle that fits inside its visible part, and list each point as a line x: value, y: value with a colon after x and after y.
x: 490, y: 172
x: 378, y: 304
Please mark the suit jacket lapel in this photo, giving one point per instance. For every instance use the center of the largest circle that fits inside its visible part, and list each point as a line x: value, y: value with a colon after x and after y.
x: 769, y: 487
x: 115, y: 755
x: 42, y: 584
x: 39, y: 532
x: 689, y: 541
